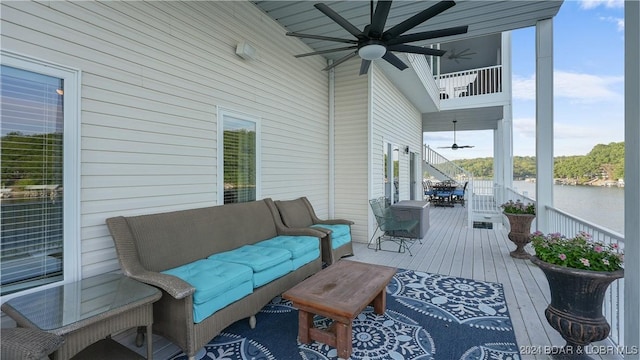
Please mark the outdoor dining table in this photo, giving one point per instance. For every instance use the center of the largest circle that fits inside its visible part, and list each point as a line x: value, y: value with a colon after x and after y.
x: 443, y: 194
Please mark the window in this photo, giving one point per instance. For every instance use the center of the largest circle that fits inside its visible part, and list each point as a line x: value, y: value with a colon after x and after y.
x: 391, y: 171
x: 238, y: 157
x: 38, y: 157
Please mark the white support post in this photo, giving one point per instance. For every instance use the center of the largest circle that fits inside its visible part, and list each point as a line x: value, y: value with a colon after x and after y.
x: 332, y: 151
x: 498, y: 153
x: 544, y: 122
x: 632, y: 176
x: 507, y: 111
x: 506, y: 126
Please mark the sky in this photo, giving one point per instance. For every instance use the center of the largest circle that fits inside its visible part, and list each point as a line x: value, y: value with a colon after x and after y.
x: 588, y: 85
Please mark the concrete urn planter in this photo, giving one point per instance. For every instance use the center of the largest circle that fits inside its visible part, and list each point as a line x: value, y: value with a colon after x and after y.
x: 519, y: 234
x: 575, y: 310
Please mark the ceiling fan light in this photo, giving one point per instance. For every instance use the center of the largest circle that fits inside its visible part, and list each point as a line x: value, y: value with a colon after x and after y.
x: 372, y: 51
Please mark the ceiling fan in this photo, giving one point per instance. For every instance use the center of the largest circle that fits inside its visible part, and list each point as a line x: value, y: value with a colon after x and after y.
x: 455, y: 146
x: 373, y: 42
x: 462, y: 55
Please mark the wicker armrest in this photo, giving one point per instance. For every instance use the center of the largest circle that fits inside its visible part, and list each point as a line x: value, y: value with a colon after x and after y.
x: 173, y: 285
x: 335, y: 222
x: 25, y: 343
x: 303, y: 232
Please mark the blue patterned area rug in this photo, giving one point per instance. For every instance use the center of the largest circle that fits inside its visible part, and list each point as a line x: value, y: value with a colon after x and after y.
x: 428, y: 316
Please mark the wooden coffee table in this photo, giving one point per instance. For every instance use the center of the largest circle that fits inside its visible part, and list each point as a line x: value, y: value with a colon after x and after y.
x: 339, y: 292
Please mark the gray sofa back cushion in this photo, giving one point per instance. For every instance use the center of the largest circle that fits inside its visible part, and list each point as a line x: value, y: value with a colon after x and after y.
x: 294, y: 213
x: 166, y: 240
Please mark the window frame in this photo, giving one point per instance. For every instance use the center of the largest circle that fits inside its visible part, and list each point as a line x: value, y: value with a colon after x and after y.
x: 223, y: 113
x: 71, y: 161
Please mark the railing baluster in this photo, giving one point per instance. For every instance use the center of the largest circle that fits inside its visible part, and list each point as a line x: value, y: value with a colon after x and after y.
x: 481, y: 81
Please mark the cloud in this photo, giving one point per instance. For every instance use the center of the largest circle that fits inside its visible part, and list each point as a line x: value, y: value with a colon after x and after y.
x: 586, y: 88
x: 612, y: 19
x: 569, y: 138
x: 590, y: 4
x: 523, y: 88
x: 526, y: 127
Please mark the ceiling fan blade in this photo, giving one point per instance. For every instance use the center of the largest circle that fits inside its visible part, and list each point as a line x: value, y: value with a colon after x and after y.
x: 416, y: 50
x: 364, y: 66
x: 417, y: 19
x: 339, y: 19
x: 341, y: 60
x: 327, y: 51
x: 320, y: 37
x: 426, y: 35
x: 465, y: 146
x: 379, y: 19
x: 466, y: 52
x: 395, y: 61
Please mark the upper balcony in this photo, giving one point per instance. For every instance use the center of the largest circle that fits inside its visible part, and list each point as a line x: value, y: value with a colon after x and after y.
x: 474, y: 73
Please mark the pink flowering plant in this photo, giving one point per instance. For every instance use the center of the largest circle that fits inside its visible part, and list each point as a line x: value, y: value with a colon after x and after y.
x: 518, y: 207
x: 579, y: 252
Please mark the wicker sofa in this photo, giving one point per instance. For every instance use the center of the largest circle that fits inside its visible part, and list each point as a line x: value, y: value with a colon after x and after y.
x: 157, y: 248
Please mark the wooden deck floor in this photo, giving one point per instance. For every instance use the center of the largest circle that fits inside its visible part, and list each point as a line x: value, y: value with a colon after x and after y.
x: 452, y: 248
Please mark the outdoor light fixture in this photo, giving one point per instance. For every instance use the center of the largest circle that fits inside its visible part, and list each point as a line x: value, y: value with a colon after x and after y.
x: 372, y: 51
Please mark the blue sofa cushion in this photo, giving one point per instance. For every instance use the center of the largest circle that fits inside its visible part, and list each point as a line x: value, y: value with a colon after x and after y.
x: 297, y: 245
x: 256, y: 257
x: 272, y: 273
x: 204, y: 310
x: 212, y: 278
x: 341, y: 234
x: 305, y: 259
x: 267, y: 263
x: 304, y: 249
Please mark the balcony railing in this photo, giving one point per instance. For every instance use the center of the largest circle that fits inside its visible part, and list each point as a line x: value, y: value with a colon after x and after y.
x: 569, y: 225
x: 472, y: 82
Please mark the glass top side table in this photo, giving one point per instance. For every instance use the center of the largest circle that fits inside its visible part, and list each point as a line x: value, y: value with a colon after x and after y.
x: 87, y: 311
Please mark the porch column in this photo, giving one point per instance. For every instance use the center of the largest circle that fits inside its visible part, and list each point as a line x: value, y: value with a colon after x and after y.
x: 332, y: 143
x: 632, y: 174
x: 507, y: 145
x: 503, y: 154
x: 544, y: 122
x: 507, y: 111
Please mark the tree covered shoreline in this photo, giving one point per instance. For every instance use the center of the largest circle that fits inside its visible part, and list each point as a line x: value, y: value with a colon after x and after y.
x: 602, y: 163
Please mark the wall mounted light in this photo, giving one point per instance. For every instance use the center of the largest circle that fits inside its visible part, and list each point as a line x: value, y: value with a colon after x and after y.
x: 406, y: 149
x: 246, y: 51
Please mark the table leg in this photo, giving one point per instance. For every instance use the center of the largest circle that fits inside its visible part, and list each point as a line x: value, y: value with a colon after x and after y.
x: 305, y: 320
x: 344, y: 340
x: 380, y: 302
x: 149, y: 343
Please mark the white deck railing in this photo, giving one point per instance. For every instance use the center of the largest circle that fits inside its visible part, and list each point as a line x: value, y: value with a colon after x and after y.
x: 472, y: 82
x: 445, y: 166
x: 569, y: 225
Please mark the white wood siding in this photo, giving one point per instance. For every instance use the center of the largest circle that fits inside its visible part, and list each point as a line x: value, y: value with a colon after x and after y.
x: 395, y: 120
x: 153, y: 75
x: 351, y: 147
x: 359, y: 141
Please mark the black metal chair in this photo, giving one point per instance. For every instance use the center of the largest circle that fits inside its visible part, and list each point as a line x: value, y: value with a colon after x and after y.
x: 458, y: 194
x: 429, y: 192
x: 397, y: 231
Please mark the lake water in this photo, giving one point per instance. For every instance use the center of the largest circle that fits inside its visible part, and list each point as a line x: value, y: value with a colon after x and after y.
x: 597, y: 204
